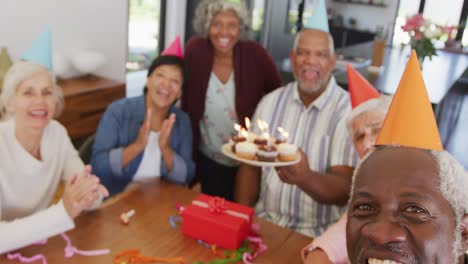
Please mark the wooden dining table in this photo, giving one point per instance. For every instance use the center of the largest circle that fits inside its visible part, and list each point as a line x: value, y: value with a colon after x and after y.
x: 149, y: 231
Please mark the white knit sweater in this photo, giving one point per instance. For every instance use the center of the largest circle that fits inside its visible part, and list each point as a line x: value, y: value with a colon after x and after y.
x: 27, y: 186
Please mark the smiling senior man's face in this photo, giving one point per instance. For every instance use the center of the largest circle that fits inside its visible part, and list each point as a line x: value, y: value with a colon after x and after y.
x: 397, y: 211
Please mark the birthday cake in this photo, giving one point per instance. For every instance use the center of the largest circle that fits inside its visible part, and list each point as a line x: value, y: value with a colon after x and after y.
x: 262, y: 146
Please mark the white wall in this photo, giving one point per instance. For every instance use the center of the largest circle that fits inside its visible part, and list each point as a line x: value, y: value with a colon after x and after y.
x: 99, y: 25
x: 175, y: 25
x: 175, y: 21
x: 368, y: 17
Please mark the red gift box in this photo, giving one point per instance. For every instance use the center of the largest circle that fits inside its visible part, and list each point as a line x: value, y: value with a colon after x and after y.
x: 216, y: 221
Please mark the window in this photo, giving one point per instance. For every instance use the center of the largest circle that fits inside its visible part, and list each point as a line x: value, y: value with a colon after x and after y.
x: 293, y: 14
x: 406, y: 9
x: 442, y: 13
x: 258, y: 18
x: 143, y: 33
x: 465, y: 35
x: 143, y: 42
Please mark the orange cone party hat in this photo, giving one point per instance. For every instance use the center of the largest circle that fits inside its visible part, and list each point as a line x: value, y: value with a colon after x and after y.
x: 410, y: 120
x: 174, y: 49
x: 359, y: 88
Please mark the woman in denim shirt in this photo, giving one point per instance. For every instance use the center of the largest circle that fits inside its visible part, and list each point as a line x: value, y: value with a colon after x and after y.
x: 146, y: 136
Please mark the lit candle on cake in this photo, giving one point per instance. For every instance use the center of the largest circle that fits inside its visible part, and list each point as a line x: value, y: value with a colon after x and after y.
x: 237, y: 127
x: 240, y: 137
x: 260, y: 125
x: 266, y: 136
x: 286, y: 151
x: 250, y: 134
x: 267, y: 152
x: 247, y: 123
x: 284, y: 135
x: 265, y: 126
x: 260, y: 139
x: 244, y: 133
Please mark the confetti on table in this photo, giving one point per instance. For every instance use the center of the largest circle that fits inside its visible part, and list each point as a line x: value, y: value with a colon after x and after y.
x: 70, y: 250
x: 133, y: 256
x: 23, y: 259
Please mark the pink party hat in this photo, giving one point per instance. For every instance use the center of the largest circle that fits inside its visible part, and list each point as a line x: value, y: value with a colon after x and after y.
x: 174, y: 49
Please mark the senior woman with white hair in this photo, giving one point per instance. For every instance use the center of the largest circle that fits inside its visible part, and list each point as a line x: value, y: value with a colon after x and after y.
x: 35, y: 155
x: 363, y: 123
x: 228, y: 75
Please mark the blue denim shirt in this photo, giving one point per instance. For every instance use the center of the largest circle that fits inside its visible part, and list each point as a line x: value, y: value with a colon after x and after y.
x: 119, y: 128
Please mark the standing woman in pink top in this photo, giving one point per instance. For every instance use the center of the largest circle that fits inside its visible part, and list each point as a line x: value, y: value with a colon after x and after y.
x: 228, y: 75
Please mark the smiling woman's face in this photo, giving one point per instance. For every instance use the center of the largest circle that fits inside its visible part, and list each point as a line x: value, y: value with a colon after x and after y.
x: 164, y: 86
x: 224, y: 31
x: 397, y: 211
x: 34, y: 103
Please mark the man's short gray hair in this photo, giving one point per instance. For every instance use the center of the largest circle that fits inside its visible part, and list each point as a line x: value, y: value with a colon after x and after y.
x: 208, y: 9
x: 381, y: 104
x: 331, y: 43
x: 19, y: 72
x: 453, y: 185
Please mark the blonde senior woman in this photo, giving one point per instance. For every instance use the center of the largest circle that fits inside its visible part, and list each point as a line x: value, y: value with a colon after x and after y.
x: 35, y: 155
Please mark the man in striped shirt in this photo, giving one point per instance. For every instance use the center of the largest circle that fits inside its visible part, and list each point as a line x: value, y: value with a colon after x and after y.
x: 307, y: 196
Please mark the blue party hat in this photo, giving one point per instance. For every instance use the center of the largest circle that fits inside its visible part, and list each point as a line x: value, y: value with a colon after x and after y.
x: 41, y: 50
x: 319, y: 18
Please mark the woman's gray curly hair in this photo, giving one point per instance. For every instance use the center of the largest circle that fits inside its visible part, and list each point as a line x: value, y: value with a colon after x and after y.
x: 208, y: 9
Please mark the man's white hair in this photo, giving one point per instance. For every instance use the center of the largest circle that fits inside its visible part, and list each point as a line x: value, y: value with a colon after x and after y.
x: 208, y: 9
x: 453, y: 185
x: 19, y: 72
x: 381, y: 103
x: 331, y: 43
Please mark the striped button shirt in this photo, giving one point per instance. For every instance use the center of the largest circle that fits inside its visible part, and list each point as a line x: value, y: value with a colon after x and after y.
x: 320, y: 131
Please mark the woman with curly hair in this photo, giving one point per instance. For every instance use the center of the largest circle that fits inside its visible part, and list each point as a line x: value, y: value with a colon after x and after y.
x: 228, y: 77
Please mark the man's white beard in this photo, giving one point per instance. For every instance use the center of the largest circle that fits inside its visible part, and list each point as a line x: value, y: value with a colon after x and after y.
x: 310, y: 90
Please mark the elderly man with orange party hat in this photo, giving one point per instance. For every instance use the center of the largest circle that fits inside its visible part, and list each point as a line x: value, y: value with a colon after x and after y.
x: 409, y: 202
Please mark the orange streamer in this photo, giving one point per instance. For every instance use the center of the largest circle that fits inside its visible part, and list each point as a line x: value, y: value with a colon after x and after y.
x: 133, y: 256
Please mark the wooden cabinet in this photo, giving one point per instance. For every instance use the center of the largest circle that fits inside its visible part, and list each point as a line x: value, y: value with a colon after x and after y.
x: 86, y: 99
